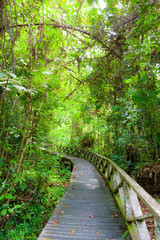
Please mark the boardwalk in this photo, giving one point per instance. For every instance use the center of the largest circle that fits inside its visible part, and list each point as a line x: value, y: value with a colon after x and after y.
x: 87, y: 210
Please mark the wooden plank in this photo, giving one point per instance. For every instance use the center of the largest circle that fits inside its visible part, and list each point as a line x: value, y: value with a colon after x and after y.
x: 133, y: 231
x: 121, y: 194
x: 135, y: 205
x: 140, y: 218
x: 120, y: 184
x: 157, y: 229
x: 94, y: 159
x: 98, y: 162
x: 128, y: 205
x: 87, y: 210
x: 109, y: 170
x: 113, y: 180
x: 117, y: 181
x: 92, y: 156
x: 105, y: 164
x: 128, y: 213
x: 148, y: 200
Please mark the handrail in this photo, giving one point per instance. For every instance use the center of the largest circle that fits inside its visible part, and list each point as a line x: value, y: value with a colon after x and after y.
x: 127, y: 193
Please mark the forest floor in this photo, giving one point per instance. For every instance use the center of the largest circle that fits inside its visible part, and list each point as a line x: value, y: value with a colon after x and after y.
x: 149, y: 179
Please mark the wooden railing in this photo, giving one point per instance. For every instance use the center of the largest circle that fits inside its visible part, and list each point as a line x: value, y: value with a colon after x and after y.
x: 130, y: 196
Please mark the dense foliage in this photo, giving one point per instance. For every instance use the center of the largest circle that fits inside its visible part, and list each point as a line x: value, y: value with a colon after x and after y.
x: 28, y: 199
x: 76, y: 73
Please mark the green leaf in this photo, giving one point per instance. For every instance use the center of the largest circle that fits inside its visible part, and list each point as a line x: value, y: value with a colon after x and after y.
x: 3, y: 83
x: 1, y: 160
x: 3, y: 212
x: 12, y: 74
x: 47, y: 73
x: 128, y: 80
x: 10, y: 85
x: 20, y: 88
x: 143, y: 44
x: 2, y: 197
x: 7, y: 8
x: 9, y: 196
x: 21, y: 60
x: 116, y: 107
x: 2, y: 74
x: 124, y: 235
x: 78, y: 4
x: 23, y: 97
x: 11, y: 210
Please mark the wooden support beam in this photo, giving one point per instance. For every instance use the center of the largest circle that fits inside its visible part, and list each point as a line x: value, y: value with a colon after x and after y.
x: 140, y: 218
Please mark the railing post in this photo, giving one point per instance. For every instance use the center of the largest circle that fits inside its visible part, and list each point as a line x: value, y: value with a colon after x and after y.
x: 127, y: 194
x: 157, y: 229
x: 135, y: 206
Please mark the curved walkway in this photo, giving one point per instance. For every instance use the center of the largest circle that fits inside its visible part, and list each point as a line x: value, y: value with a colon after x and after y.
x: 87, y: 209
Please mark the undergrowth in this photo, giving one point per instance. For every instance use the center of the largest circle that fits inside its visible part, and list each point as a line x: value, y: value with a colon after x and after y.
x: 28, y: 199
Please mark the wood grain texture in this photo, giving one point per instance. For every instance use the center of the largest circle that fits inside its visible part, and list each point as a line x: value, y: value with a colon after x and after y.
x: 87, y: 209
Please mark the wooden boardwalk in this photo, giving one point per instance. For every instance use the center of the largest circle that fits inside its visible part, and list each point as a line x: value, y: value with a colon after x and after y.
x: 87, y: 209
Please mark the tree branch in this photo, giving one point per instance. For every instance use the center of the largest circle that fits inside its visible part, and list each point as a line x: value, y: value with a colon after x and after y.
x: 69, y: 69
x: 64, y: 27
x: 75, y: 78
x: 80, y: 85
x: 34, y: 40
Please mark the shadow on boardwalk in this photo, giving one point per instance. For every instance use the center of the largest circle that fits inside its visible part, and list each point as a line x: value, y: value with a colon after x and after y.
x: 87, y: 210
